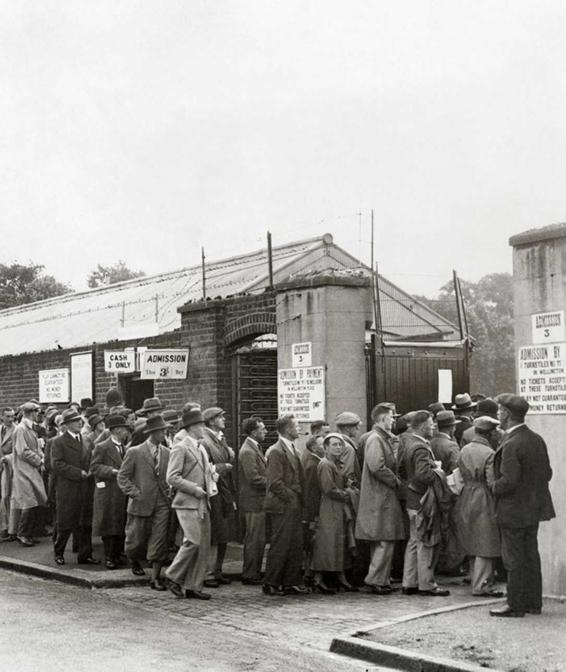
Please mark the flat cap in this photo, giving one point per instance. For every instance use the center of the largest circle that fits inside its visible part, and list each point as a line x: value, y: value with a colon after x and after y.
x: 486, y: 423
x: 210, y: 413
x: 347, y: 418
x: 29, y: 407
x: 514, y: 403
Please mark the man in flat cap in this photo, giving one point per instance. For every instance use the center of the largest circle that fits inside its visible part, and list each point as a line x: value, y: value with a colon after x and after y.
x: 348, y: 425
x: 190, y: 475
x: 224, y: 504
x: 142, y: 476
x: 486, y: 408
x: 522, y: 474
x: 70, y: 461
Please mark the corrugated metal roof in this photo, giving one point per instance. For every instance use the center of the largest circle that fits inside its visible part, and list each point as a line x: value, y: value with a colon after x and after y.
x: 148, y: 305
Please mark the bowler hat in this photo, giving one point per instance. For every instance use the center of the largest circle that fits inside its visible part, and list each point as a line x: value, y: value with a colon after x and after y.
x: 435, y: 408
x: 86, y: 403
x: 514, y: 403
x: 487, y: 407
x: 113, y: 397
x: 192, y: 417
x: 347, y: 419
x: 69, y: 415
x: 114, y: 421
x: 212, y: 412
x: 154, y: 424
x: 486, y: 423
x: 462, y: 402
x: 149, y: 405
x: 446, y: 419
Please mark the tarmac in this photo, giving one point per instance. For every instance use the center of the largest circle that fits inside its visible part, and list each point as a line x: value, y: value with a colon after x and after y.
x: 421, y: 634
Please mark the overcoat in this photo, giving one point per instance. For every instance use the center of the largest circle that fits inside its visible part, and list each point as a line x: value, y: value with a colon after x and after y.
x: 380, y: 517
x: 222, y: 506
x: 141, y: 481
x: 251, y: 477
x: 522, y: 474
x: 285, y: 480
x: 109, y: 516
x: 28, y: 489
x: 446, y: 451
x: 73, y: 494
x: 333, y: 535
x: 311, y: 497
x: 474, y: 511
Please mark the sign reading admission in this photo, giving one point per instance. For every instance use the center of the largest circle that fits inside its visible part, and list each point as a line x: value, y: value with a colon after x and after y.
x: 302, y: 354
x: 164, y: 364
x: 549, y: 327
x: 301, y: 392
x: 53, y: 386
x: 542, y: 377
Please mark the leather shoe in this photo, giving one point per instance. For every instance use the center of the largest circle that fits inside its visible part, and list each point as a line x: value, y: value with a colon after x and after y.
x: 381, y: 590
x: 109, y: 564
x: 59, y: 559
x: 296, y: 590
x: 197, y: 595
x: 221, y: 579
x: 25, y: 541
x: 490, y: 593
x: 435, y: 592
x: 88, y: 561
x: 176, y: 589
x: 252, y: 582
x: 410, y: 591
x: 506, y: 612
x: 156, y: 584
x: 212, y: 583
x: 9, y: 537
x: 271, y: 590
x: 137, y: 569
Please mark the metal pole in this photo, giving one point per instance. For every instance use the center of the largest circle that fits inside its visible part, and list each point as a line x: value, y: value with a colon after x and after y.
x: 203, y: 276
x: 458, y: 306
x: 270, y: 260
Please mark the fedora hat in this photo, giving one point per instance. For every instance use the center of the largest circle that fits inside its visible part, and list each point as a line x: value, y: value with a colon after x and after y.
x: 192, y: 417
x: 151, y: 404
x: 114, y: 421
x: 69, y: 415
x: 93, y: 420
x: 487, y: 407
x: 171, y: 417
x: 154, y: 424
x: 446, y: 419
x: 435, y: 408
x: 462, y: 402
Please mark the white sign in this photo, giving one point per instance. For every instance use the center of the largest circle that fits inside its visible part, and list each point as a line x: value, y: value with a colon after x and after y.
x: 53, y: 386
x: 81, y: 376
x: 549, y: 327
x: 301, y: 392
x: 119, y: 361
x: 302, y: 354
x: 445, y: 386
x: 164, y: 364
x: 542, y: 377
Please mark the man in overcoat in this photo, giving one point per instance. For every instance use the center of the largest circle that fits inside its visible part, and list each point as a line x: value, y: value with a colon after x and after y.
x: 70, y: 462
x: 252, y: 484
x: 223, y: 506
x: 142, y: 476
x: 109, y: 516
x: 522, y: 500
x: 28, y: 489
x: 380, y: 518
x: 284, y: 501
x: 6, y: 474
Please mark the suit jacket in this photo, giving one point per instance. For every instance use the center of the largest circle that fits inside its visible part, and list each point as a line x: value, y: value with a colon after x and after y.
x: 522, y: 474
x: 6, y: 443
x: 446, y: 451
x: 418, y: 466
x: 139, y: 479
x: 252, y: 481
x: 73, y: 494
x: 109, y: 516
x: 188, y: 470
x: 285, y: 479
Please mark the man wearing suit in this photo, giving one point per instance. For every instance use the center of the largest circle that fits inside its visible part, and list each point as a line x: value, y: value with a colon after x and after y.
x: 252, y: 482
x: 109, y: 516
x: 142, y: 476
x: 522, y: 500
x: 284, y: 501
x: 70, y: 461
x: 190, y: 475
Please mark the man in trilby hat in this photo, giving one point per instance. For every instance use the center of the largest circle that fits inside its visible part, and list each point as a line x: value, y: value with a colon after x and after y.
x: 463, y: 408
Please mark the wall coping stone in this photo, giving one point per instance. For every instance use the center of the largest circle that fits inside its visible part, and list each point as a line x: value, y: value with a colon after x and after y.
x: 213, y: 304
x: 550, y: 232
x: 323, y: 281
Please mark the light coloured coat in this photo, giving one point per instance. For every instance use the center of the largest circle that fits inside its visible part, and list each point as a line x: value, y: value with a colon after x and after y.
x: 28, y: 489
x: 188, y: 470
x: 138, y: 479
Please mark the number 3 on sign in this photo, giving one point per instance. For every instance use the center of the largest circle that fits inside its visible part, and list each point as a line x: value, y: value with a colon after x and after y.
x: 164, y: 372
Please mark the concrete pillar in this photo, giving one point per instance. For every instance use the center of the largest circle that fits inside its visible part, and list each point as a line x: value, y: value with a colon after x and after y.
x: 539, y: 272
x: 330, y: 312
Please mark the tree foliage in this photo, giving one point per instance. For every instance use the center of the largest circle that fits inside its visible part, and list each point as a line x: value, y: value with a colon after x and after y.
x: 103, y: 276
x: 489, y: 310
x: 20, y: 284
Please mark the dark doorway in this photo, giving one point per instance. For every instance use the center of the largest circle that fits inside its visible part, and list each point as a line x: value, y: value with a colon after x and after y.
x: 135, y: 391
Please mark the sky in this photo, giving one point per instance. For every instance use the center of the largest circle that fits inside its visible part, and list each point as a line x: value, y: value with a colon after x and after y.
x: 144, y: 130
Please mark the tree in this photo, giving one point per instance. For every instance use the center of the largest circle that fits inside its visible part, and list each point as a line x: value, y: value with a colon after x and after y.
x: 489, y: 309
x: 103, y: 276
x: 20, y: 284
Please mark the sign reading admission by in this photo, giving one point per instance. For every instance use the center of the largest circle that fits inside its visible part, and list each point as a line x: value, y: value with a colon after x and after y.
x: 301, y: 392
x: 542, y: 377
x: 164, y: 364
x: 53, y: 386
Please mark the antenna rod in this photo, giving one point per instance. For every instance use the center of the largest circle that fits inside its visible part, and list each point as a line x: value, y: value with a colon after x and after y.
x: 270, y: 260
x: 203, y: 276
x: 372, y: 237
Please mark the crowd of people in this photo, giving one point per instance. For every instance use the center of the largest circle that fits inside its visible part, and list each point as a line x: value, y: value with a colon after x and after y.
x: 439, y: 490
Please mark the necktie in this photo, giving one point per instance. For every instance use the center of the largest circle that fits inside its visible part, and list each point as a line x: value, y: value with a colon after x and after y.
x: 156, y: 460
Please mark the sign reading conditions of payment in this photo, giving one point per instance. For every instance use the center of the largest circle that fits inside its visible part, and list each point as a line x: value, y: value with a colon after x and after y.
x: 542, y: 377
x: 119, y: 361
x: 302, y: 354
x: 164, y: 364
x: 549, y: 327
x: 53, y: 386
x: 301, y: 392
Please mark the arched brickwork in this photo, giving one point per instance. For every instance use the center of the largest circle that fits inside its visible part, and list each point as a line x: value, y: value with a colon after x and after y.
x: 253, y: 324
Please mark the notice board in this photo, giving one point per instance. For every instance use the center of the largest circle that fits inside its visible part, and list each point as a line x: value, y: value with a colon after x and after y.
x: 542, y: 377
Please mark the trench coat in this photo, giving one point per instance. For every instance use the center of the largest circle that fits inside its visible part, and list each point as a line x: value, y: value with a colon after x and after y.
x: 28, y: 489
x: 474, y: 511
x: 109, y: 516
x: 334, y: 534
x: 73, y: 494
x: 380, y: 517
x: 224, y: 504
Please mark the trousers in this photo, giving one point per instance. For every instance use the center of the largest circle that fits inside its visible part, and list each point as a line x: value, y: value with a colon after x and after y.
x: 285, y: 555
x: 419, y: 559
x: 519, y: 549
x: 379, y: 573
x: 189, y: 565
x: 254, y: 544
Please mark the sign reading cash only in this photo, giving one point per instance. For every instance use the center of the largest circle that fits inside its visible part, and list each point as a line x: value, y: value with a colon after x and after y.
x: 119, y: 361
x: 164, y: 364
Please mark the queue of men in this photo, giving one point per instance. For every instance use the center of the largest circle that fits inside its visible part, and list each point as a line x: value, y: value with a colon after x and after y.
x: 453, y: 489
